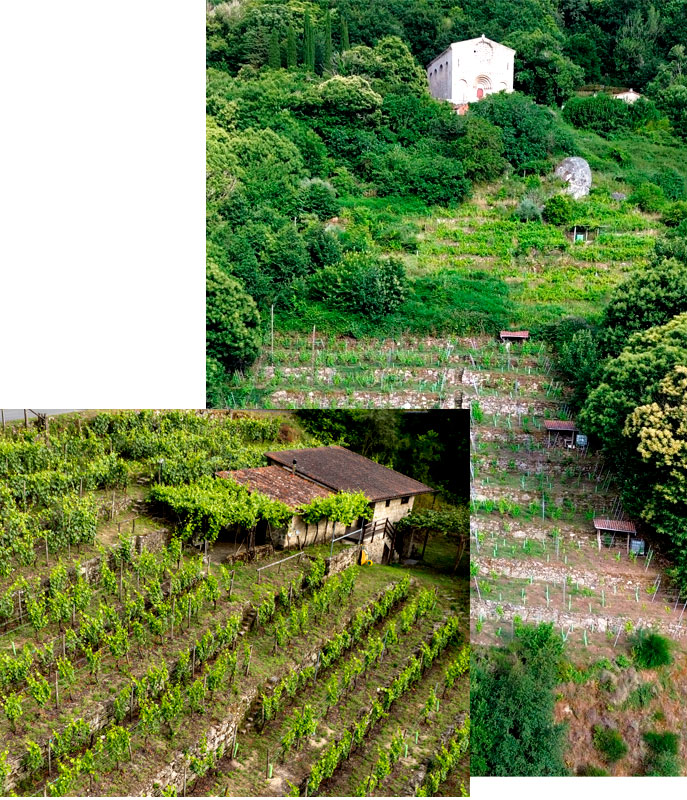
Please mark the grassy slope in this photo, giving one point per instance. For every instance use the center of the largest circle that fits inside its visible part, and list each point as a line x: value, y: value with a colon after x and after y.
x: 471, y: 269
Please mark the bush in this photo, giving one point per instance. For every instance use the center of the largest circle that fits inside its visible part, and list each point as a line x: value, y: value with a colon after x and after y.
x: 672, y: 183
x: 600, y: 113
x: 559, y: 209
x: 674, y: 214
x: 663, y: 742
x: 651, y: 650
x: 360, y: 282
x: 422, y: 172
x: 664, y: 748
x: 591, y: 771
x: 529, y: 132
x: 528, y: 210
x: 318, y: 197
x: 648, y: 197
x: 609, y: 743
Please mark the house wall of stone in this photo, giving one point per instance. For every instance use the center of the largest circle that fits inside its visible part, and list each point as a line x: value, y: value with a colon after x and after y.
x: 290, y: 535
x: 394, y: 511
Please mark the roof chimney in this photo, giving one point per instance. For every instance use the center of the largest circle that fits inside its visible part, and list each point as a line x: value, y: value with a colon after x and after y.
x: 293, y: 467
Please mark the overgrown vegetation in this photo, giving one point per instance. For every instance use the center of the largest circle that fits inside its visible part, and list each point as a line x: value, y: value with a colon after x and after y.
x: 512, y: 703
x: 325, y: 151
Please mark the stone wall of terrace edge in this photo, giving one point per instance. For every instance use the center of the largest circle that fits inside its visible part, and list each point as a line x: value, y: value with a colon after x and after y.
x: 173, y: 774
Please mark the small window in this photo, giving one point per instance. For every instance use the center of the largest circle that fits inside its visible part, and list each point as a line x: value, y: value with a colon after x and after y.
x: 404, y: 500
x: 388, y: 503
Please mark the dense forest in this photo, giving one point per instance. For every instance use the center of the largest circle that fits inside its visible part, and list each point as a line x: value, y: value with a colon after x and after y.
x: 318, y: 112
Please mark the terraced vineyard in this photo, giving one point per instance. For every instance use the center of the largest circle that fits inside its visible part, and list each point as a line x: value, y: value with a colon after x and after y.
x: 472, y: 270
x: 132, y: 664
x: 535, y: 558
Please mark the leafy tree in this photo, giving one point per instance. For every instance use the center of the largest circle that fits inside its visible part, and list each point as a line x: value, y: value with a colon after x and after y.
x: 481, y: 150
x: 434, y: 178
x: 542, y: 70
x: 582, y: 49
x: 529, y: 132
x: 648, y: 297
x: 579, y: 362
x: 637, y: 410
x: 308, y: 43
x: 559, y: 209
x: 361, y: 282
x: 233, y: 336
x: 319, y: 197
x: 648, y: 197
x: 513, y: 731
x: 600, y: 113
x: 274, y: 54
x: 291, y: 48
x: 389, y: 66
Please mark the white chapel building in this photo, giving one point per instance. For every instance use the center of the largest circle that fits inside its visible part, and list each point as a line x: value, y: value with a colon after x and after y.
x: 467, y: 71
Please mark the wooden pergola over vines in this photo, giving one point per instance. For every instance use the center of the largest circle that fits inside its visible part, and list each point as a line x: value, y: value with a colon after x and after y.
x: 453, y: 523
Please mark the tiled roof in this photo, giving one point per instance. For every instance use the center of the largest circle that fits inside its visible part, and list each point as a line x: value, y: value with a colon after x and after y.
x: 278, y: 484
x: 620, y: 525
x: 345, y: 471
x: 515, y: 334
x: 560, y: 425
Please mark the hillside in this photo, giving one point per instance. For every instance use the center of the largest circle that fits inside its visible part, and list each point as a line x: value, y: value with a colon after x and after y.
x: 156, y: 640
x: 535, y: 561
x: 342, y: 197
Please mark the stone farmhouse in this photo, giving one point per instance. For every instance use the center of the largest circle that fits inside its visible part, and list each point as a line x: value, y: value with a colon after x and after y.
x: 469, y: 70
x: 296, y: 477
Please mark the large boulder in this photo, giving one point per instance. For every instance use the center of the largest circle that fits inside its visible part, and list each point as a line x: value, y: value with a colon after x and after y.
x: 576, y: 173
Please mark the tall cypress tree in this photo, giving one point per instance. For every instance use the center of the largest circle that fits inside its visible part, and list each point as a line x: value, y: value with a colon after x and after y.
x: 274, y: 53
x: 345, y: 41
x: 327, y: 56
x: 308, y: 43
x: 291, y: 48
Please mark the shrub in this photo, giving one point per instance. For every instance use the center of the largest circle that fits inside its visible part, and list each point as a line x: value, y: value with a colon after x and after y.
x: 651, y: 650
x: 674, y: 214
x: 422, y: 172
x: 318, y: 197
x: 528, y: 210
x: 360, y: 282
x: 591, y: 771
x: 609, y: 743
x: 559, y: 209
x: 663, y: 742
x: 672, y: 183
x: 664, y: 748
x: 600, y: 113
x: 529, y: 132
x: 641, y: 696
x: 648, y: 197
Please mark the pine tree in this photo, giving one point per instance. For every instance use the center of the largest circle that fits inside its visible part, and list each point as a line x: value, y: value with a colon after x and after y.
x: 345, y: 41
x: 327, y: 57
x: 291, y: 48
x: 308, y: 43
x: 274, y: 53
